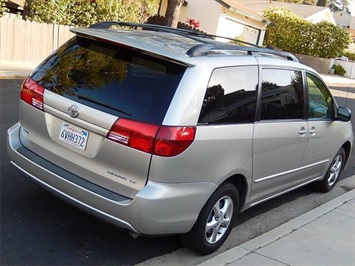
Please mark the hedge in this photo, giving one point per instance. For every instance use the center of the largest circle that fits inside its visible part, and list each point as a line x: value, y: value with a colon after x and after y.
x: 292, y: 33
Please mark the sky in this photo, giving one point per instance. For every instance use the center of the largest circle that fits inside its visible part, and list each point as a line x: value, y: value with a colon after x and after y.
x: 352, y: 7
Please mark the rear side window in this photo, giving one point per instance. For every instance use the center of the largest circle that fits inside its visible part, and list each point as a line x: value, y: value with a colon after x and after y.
x: 230, y: 96
x: 111, y: 78
x: 281, y: 94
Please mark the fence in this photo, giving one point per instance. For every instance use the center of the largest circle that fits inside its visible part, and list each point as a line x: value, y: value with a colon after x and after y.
x: 28, y: 41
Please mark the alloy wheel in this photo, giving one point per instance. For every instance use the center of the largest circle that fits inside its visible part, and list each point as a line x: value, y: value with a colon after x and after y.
x: 335, y: 170
x: 219, y: 219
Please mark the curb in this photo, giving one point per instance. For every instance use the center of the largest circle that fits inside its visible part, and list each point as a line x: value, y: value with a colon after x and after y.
x: 9, y: 74
x: 16, y: 69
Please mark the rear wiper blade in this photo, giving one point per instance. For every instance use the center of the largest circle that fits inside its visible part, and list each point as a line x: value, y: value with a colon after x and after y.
x: 102, y: 104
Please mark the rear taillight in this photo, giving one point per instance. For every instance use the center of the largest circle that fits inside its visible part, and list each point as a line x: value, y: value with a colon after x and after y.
x: 32, y: 93
x: 172, y: 141
x: 159, y: 140
x: 134, y: 134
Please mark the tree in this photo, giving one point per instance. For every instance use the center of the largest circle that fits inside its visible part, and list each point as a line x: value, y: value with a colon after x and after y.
x: 172, y: 12
x: 322, y: 3
x: 339, y: 5
x: 3, y: 7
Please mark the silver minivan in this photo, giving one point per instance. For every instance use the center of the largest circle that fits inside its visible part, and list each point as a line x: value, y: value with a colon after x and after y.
x: 165, y: 131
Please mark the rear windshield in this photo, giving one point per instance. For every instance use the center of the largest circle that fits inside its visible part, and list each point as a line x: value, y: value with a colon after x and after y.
x: 111, y: 78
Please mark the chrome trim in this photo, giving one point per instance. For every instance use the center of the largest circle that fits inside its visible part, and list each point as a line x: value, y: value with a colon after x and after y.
x: 313, y: 164
x: 276, y: 175
x: 286, y: 191
x: 290, y: 171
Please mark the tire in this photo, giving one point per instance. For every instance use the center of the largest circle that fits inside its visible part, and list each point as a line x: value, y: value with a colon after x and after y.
x: 215, y: 221
x: 332, y: 175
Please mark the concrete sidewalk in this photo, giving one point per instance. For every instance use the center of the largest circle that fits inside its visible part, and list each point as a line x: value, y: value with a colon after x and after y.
x: 322, y: 236
x: 15, y: 69
x: 337, y: 80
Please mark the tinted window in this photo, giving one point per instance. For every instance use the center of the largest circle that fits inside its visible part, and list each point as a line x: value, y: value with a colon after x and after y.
x: 282, y: 94
x: 113, y: 79
x: 231, y: 95
x: 320, y: 102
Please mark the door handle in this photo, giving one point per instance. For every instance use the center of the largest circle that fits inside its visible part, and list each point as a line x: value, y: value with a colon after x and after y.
x: 313, y: 131
x: 302, y: 131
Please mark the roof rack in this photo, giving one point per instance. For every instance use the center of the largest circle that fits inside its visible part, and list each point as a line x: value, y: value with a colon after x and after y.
x: 208, y: 43
x: 205, y: 49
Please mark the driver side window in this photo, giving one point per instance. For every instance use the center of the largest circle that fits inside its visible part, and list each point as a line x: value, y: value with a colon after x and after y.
x: 320, y: 102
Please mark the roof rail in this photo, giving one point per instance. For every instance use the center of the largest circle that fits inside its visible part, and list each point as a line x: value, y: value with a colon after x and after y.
x: 204, y: 49
x: 207, y: 44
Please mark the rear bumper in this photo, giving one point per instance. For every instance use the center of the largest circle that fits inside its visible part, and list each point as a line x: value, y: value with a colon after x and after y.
x: 158, y: 209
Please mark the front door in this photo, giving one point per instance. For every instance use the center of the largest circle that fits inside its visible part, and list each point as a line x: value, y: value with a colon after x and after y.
x: 280, y: 137
x: 323, y: 136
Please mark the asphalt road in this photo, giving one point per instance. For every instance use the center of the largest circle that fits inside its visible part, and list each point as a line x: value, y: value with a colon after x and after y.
x: 39, y: 229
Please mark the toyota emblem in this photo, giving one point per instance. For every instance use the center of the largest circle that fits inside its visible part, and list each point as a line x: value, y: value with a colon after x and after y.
x: 73, y: 111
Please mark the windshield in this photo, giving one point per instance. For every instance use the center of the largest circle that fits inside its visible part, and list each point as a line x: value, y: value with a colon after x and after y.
x: 111, y: 78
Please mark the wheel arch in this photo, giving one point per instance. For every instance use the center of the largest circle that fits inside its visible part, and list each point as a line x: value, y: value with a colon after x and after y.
x: 239, y: 181
x: 347, y: 148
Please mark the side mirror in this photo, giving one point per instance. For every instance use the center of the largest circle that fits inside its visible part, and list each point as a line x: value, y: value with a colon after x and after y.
x: 343, y: 114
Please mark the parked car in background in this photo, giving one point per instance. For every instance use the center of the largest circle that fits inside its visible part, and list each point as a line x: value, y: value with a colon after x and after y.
x: 165, y: 131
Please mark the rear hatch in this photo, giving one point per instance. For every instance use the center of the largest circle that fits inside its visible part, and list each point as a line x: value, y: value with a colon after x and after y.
x: 94, y: 108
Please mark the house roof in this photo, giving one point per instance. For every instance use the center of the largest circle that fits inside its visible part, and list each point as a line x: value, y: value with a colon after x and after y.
x: 15, y: 4
x: 258, y: 6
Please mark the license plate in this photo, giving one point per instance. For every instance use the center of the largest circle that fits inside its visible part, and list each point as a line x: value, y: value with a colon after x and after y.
x: 74, y: 135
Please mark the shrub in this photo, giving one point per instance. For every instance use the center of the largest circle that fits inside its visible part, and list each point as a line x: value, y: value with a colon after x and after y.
x: 349, y: 55
x: 294, y: 34
x: 339, y: 70
x: 86, y: 12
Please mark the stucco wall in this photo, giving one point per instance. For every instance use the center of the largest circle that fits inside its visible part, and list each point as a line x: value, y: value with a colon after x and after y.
x: 349, y: 67
x: 207, y: 14
x: 322, y: 65
x: 324, y: 15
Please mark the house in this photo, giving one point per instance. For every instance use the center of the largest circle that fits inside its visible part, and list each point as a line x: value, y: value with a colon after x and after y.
x: 224, y: 18
x: 242, y: 18
x: 346, y: 21
x: 312, y: 13
x: 15, y: 6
